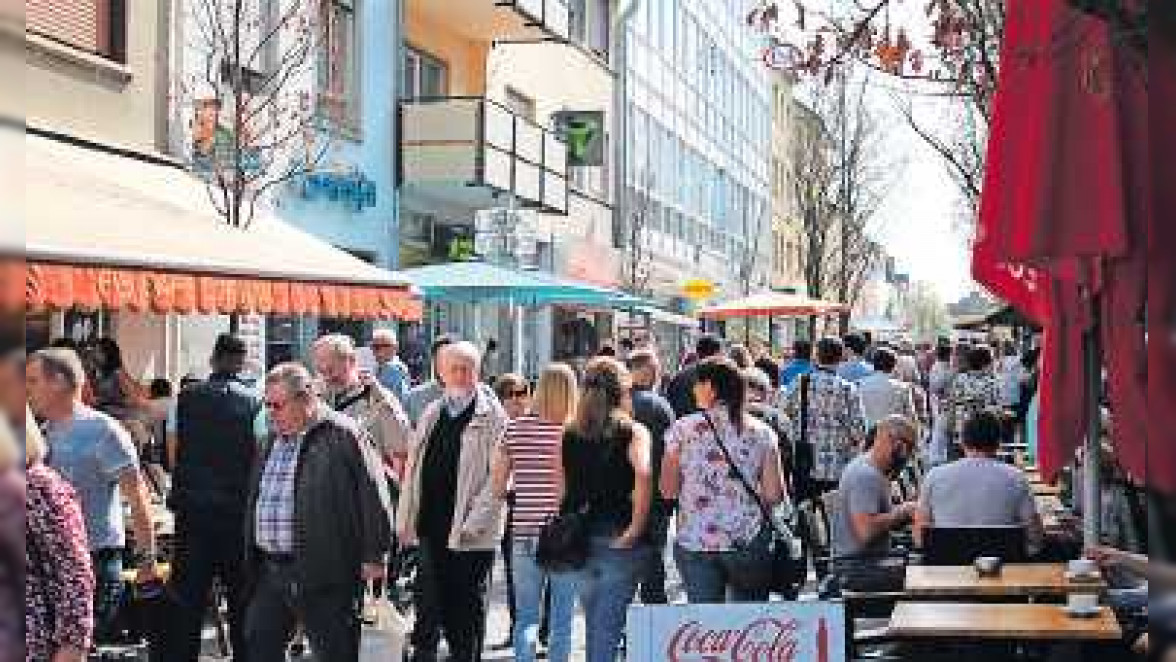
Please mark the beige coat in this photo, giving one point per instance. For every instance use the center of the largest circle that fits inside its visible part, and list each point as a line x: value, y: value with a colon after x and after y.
x: 478, y: 517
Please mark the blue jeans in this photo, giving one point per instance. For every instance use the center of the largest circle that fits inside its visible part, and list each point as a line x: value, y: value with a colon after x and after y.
x: 716, y: 577
x: 607, y: 585
x: 529, y: 579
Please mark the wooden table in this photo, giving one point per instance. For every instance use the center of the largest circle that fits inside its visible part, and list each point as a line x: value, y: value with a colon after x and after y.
x: 1015, y: 580
x: 1016, y: 622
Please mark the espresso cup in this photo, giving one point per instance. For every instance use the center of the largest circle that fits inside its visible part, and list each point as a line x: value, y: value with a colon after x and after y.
x: 988, y: 565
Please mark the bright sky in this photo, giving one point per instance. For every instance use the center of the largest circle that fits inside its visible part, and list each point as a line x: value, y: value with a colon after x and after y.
x: 919, y: 223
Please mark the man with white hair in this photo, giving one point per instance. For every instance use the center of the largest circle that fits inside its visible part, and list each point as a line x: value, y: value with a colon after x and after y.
x: 359, y: 396
x: 390, y: 371
x: 459, y: 525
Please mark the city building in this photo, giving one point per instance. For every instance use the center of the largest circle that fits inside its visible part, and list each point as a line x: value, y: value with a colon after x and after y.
x: 124, y: 237
x: 698, y: 165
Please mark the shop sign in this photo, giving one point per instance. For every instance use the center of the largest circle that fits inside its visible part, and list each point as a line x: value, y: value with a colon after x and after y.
x: 752, y: 632
x: 584, y: 132
x: 352, y: 188
x: 698, y: 288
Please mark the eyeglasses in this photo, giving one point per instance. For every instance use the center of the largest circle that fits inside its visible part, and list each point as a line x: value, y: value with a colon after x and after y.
x: 520, y: 393
x: 276, y: 405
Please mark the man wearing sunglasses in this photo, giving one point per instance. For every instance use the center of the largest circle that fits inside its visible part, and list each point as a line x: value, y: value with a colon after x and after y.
x: 318, y: 530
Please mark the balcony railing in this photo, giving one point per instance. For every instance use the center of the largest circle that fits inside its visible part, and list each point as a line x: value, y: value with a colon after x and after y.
x: 486, y: 20
x: 553, y: 16
x: 475, y: 152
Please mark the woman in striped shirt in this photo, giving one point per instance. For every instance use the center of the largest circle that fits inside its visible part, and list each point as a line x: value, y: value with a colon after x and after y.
x: 527, y: 459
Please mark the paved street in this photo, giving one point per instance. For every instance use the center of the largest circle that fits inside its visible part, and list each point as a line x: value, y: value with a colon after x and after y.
x: 498, y: 622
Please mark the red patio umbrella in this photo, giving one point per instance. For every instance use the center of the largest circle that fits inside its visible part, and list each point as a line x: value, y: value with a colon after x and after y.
x: 1064, y: 200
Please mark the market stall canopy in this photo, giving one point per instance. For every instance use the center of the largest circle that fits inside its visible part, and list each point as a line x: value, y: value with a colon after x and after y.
x: 105, y: 228
x: 780, y: 304
x: 467, y: 282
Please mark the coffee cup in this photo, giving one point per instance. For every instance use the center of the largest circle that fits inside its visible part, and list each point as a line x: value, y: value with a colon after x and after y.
x: 988, y: 566
x: 1082, y: 567
x: 1082, y: 602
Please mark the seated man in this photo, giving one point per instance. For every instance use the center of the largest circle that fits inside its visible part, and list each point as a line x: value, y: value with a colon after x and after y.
x: 864, y: 515
x: 978, y: 489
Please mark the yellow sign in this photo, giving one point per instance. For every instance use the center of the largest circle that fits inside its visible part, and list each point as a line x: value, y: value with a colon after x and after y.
x: 698, y: 288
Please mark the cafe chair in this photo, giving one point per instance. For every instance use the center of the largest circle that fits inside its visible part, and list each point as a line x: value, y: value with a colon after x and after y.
x: 964, y: 544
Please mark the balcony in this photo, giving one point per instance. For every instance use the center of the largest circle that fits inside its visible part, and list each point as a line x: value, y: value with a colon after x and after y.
x: 473, y: 152
x: 486, y: 20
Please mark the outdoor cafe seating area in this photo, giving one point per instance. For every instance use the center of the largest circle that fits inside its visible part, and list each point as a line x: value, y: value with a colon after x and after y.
x: 972, y: 593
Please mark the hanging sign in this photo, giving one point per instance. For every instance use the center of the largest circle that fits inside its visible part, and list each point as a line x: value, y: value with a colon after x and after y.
x: 584, y: 132
x: 767, y: 631
x: 698, y: 289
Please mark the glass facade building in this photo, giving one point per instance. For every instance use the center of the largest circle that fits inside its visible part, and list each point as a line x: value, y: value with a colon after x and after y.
x: 699, y: 104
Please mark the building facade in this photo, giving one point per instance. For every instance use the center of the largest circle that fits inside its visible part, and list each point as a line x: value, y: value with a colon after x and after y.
x: 699, y: 111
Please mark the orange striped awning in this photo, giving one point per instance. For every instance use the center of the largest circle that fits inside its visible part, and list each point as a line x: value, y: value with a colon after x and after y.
x: 64, y: 286
x: 109, y: 230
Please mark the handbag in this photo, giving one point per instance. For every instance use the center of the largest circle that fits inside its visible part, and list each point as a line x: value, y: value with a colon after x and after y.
x: 562, y: 545
x: 385, y: 629
x: 788, y: 562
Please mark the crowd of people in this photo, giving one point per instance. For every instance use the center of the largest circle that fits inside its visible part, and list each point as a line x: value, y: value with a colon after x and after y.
x: 295, y: 497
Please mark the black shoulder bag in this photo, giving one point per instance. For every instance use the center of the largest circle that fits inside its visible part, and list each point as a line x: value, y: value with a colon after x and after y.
x: 789, y: 569
x: 562, y: 545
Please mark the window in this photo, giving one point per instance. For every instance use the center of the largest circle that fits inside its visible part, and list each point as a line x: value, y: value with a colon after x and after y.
x: 94, y: 26
x: 338, y: 67
x: 424, y: 75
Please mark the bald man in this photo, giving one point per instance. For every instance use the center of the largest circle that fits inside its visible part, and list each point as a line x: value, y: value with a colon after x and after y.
x: 864, y: 515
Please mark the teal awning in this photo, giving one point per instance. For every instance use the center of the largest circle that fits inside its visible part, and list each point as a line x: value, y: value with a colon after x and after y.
x: 469, y: 282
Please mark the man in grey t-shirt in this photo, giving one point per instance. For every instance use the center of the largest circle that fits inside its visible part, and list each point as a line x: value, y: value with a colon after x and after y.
x: 863, y: 515
x: 978, y: 489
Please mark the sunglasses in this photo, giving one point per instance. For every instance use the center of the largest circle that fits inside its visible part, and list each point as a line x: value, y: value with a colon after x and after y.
x: 520, y: 393
x: 382, y: 345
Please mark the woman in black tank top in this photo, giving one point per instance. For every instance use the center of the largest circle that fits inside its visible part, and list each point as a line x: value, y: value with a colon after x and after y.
x: 605, y: 472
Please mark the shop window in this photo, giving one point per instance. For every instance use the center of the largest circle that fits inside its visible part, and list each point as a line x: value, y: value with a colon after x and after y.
x: 94, y: 26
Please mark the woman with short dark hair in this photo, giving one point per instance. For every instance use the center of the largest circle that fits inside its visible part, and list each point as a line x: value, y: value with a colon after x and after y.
x: 722, y: 549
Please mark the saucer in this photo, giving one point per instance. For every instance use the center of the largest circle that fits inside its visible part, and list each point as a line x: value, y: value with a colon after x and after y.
x: 1082, y: 612
x: 1083, y: 577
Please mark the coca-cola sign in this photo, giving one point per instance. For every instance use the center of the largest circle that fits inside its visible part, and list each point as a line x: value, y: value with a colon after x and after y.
x: 767, y: 632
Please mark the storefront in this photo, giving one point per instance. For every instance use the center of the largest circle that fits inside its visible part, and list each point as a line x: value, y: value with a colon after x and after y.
x: 127, y: 245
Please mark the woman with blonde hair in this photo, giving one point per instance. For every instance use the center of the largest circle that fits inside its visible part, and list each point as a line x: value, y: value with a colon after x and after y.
x: 528, y: 457
x: 606, y: 477
x: 59, y: 582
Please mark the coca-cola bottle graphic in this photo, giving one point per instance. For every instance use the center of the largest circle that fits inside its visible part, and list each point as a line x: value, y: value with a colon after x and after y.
x: 822, y: 641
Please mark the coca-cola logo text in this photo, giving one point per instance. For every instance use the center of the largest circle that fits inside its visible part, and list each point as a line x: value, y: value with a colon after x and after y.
x: 762, y: 640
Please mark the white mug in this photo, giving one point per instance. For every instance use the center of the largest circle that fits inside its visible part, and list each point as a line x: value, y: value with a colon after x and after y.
x: 1082, y: 601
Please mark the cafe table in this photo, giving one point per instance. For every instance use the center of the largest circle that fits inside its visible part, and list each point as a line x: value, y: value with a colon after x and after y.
x: 998, y: 622
x: 1041, y: 489
x: 1016, y: 580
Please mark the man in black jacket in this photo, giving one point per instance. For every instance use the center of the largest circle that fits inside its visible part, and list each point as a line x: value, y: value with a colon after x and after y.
x: 652, y: 411
x: 212, y: 443
x: 680, y: 390
x: 317, y: 529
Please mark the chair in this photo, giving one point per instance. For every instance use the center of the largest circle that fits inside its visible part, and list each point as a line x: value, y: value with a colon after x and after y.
x: 961, y: 545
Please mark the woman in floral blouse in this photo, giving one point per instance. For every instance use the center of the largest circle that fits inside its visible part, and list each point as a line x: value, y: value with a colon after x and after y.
x: 59, y: 585
x: 722, y: 545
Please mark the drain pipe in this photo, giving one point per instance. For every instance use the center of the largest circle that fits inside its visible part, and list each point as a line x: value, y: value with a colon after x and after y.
x: 620, y: 28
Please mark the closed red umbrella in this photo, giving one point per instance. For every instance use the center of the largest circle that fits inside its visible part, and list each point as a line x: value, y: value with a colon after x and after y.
x: 1062, y: 198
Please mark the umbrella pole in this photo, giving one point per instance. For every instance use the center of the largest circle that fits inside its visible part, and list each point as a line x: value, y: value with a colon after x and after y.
x: 1091, y: 486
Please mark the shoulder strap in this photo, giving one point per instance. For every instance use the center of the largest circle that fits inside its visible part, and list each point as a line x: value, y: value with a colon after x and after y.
x: 363, y: 393
x: 767, y: 512
x: 804, y: 398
